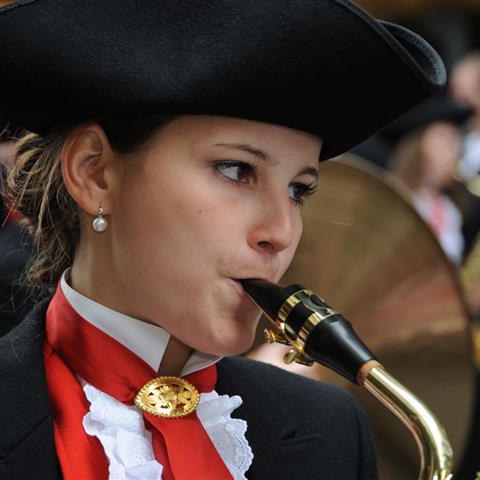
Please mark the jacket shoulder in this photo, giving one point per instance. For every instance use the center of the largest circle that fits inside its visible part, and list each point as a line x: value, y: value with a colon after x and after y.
x: 314, y: 428
x: 286, y: 386
x: 25, y: 416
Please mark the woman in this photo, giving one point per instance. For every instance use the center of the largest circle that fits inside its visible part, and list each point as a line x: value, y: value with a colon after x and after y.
x: 426, y: 158
x: 173, y: 146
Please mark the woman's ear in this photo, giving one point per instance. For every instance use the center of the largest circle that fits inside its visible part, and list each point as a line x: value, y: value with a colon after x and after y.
x: 87, y: 160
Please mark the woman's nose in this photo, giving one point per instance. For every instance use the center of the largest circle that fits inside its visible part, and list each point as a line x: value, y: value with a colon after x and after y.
x: 275, y: 229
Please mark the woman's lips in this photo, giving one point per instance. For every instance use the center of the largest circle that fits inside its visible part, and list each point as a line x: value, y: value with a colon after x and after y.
x: 237, y: 283
x: 238, y: 287
x: 245, y: 299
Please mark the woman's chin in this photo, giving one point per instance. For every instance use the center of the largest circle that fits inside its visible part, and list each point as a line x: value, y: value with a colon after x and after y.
x: 234, y: 344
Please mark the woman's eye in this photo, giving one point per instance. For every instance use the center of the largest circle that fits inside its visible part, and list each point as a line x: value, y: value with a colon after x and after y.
x: 299, y: 192
x: 238, y: 172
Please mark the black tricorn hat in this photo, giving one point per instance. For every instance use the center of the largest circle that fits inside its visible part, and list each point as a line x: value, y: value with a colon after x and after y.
x: 321, y: 66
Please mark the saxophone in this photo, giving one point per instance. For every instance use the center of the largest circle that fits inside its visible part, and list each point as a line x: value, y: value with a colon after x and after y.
x: 317, y: 333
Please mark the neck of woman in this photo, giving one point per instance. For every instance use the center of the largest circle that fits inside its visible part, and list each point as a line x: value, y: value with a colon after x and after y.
x: 176, y: 354
x: 174, y: 358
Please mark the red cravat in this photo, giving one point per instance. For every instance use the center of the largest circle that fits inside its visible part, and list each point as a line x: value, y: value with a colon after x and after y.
x: 181, y: 445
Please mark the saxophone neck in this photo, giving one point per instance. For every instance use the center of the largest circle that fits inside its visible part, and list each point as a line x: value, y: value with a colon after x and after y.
x: 432, y: 442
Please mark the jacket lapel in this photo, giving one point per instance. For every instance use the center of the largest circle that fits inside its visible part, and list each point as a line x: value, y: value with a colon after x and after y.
x: 27, y: 448
x: 280, y: 448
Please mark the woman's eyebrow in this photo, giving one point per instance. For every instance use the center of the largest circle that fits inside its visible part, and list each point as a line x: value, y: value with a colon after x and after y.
x: 246, y: 148
x: 309, y: 171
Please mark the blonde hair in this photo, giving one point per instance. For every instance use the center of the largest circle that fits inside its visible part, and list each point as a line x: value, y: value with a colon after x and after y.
x: 34, y: 186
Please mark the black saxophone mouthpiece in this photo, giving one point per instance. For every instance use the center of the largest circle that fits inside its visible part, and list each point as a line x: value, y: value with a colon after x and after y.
x: 310, y: 326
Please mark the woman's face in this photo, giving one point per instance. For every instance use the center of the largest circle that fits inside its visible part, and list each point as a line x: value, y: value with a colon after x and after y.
x: 213, y: 200
x: 440, y: 149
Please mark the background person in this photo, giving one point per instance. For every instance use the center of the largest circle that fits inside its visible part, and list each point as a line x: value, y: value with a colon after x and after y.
x: 464, y: 85
x: 426, y: 158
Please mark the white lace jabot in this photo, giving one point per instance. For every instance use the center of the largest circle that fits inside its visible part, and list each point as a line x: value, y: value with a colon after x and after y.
x: 120, y: 428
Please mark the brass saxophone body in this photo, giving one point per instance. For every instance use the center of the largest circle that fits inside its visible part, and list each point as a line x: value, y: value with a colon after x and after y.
x: 317, y: 333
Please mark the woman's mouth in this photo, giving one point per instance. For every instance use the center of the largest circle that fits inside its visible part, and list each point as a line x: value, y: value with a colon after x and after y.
x: 242, y: 296
x: 238, y: 287
x: 237, y: 284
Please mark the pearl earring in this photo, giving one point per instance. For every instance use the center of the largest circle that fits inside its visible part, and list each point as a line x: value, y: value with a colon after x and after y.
x: 99, y: 223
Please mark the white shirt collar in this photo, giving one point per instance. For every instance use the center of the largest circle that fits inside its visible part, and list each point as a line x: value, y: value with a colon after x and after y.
x: 147, y: 341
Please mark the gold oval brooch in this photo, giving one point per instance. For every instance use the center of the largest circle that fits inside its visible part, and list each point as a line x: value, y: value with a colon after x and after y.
x: 168, y: 397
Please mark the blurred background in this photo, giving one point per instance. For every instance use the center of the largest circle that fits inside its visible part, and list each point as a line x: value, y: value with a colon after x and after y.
x: 451, y: 26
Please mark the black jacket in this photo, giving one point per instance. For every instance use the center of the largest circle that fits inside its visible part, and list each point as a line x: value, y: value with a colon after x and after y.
x: 15, y: 252
x: 297, y: 428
